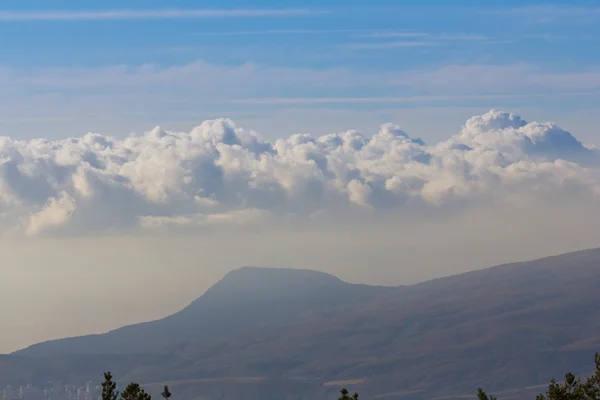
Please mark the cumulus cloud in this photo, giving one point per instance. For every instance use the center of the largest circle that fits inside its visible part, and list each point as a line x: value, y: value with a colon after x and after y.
x: 219, y: 174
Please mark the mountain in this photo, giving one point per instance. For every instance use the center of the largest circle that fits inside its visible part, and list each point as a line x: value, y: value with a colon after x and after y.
x: 244, y: 299
x: 507, y: 328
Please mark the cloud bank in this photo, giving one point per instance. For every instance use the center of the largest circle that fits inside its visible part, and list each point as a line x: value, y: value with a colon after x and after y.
x: 220, y: 174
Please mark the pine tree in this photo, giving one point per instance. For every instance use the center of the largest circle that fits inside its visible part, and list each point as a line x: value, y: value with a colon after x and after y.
x: 481, y: 395
x: 109, y: 388
x: 133, y: 391
x: 345, y: 395
x: 571, y: 389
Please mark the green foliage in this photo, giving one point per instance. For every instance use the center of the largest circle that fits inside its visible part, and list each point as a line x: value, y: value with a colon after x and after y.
x: 571, y: 389
x: 345, y: 395
x: 133, y: 391
x: 481, y: 395
x: 109, y: 388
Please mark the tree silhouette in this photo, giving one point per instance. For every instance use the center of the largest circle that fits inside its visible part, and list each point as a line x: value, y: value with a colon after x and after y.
x: 345, y: 395
x: 571, y: 389
x: 481, y: 395
x: 133, y: 391
x: 109, y: 388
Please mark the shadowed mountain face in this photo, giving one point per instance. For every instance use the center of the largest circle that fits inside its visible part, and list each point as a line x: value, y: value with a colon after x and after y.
x: 511, y: 326
x: 243, y: 300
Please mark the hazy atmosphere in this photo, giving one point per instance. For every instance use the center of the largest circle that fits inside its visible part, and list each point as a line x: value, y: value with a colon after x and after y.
x: 146, y: 151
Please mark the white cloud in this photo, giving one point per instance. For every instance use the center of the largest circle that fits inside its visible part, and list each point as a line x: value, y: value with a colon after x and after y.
x: 392, y: 34
x: 509, y: 78
x: 219, y: 174
x: 281, y: 32
x: 67, y: 100
x: 54, y: 214
x: 411, y: 39
x: 76, y: 92
x: 393, y: 45
x: 544, y: 9
x: 123, y: 14
x: 218, y: 80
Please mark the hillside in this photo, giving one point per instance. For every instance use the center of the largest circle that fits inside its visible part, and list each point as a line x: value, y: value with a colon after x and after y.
x: 244, y: 299
x: 506, y: 327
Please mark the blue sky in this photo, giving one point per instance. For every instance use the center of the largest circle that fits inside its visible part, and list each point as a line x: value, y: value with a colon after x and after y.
x: 114, y: 67
x: 300, y: 66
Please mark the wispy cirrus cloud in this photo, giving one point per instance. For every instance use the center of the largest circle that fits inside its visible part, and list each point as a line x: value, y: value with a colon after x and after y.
x: 407, y: 39
x: 130, y: 14
x: 466, y: 36
x: 549, y: 14
x: 406, y: 99
x: 125, y: 98
x: 384, y: 34
x: 564, y: 10
x: 412, y: 34
x: 393, y: 45
x: 220, y: 82
x: 354, y: 33
x: 267, y: 32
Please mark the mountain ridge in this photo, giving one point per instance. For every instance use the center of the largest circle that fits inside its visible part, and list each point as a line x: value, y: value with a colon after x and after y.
x: 245, y: 277
x: 284, y: 291
x: 495, y: 327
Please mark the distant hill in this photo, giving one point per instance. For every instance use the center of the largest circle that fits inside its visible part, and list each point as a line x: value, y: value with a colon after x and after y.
x: 244, y: 299
x: 506, y: 328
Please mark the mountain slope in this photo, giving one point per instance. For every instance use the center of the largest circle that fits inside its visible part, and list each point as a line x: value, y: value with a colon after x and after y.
x: 244, y: 299
x: 506, y: 327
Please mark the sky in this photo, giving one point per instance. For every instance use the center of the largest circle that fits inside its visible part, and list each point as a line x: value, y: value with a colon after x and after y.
x: 150, y: 146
